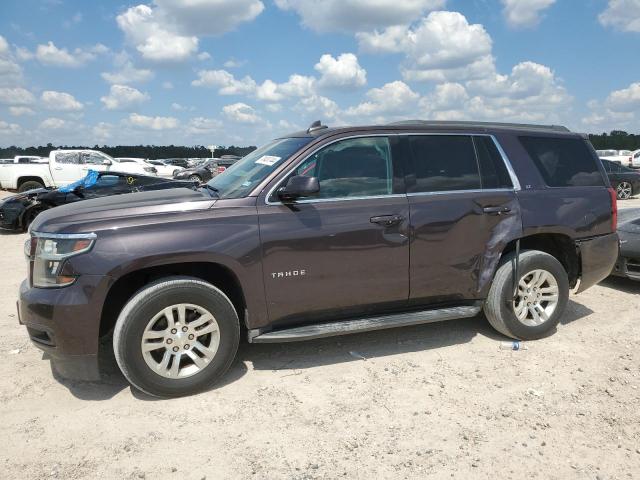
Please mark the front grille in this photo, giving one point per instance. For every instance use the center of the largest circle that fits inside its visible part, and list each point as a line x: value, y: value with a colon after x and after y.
x: 633, y: 265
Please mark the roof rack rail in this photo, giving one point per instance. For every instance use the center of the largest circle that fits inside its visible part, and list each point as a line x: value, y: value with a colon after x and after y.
x: 523, y: 126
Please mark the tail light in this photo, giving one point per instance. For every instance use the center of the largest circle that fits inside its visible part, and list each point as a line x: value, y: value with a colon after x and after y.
x: 221, y: 169
x: 614, y: 209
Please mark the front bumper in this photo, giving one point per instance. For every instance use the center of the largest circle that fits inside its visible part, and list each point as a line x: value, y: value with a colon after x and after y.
x: 65, y: 323
x: 598, y: 256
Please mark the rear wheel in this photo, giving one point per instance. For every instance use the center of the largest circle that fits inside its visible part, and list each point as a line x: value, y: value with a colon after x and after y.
x: 195, y: 178
x: 624, y: 191
x: 176, y: 337
x: 540, y: 300
x: 29, y: 185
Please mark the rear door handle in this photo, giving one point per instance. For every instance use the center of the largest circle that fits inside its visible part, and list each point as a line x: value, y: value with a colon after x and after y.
x: 496, y: 210
x: 387, y: 220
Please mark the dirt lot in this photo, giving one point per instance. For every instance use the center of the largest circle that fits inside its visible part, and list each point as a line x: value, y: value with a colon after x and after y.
x: 438, y: 400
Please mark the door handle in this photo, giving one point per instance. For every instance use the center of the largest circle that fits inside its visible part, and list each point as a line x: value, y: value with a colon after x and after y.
x: 58, y: 168
x: 387, y: 220
x: 496, y: 210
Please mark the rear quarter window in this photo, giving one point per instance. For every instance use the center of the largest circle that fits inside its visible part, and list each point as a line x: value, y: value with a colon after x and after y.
x: 563, y: 162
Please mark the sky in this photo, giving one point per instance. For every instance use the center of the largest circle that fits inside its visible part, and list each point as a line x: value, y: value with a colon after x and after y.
x: 240, y: 72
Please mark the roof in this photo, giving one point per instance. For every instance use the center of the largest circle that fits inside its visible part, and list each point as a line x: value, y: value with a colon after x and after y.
x: 433, y: 124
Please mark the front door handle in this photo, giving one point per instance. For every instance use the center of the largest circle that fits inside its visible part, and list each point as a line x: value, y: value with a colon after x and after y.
x: 496, y: 210
x: 387, y: 220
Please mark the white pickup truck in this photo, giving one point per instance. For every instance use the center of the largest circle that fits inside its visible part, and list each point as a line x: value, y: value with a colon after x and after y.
x: 64, y: 167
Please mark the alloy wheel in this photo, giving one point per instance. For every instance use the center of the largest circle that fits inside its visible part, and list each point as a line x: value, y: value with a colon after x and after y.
x: 180, y: 341
x: 537, y: 297
x: 624, y: 190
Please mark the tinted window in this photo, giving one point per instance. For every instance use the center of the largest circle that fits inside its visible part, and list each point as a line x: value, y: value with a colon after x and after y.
x: 563, y: 162
x: 493, y: 172
x: 607, y: 165
x: 443, y: 163
x: 67, y: 157
x: 356, y: 167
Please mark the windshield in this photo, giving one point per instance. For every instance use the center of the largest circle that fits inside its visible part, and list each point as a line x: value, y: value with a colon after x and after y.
x: 241, y: 177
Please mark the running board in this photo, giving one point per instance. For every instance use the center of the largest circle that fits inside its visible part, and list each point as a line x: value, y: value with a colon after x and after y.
x: 358, y: 325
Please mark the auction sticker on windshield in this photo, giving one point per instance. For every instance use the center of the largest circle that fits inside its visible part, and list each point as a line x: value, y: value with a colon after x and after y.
x: 268, y: 160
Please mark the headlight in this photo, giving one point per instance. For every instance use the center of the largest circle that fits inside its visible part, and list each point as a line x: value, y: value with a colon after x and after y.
x: 48, y: 252
x: 150, y: 169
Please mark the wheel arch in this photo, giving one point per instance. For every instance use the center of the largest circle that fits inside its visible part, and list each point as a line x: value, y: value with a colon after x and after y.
x: 126, y: 286
x: 558, y: 245
x: 29, y: 178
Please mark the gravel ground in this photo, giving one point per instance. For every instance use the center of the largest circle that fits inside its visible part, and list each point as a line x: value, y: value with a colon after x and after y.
x: 439, y: 400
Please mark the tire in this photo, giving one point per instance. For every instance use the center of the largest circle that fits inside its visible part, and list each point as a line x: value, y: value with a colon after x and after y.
x: 624, y: 191
x: 500, y: 308
x: 149, y: 303
x: 174, y: 173
x: 195, y: 178
x: 30, y: 216
x: 29, y: 185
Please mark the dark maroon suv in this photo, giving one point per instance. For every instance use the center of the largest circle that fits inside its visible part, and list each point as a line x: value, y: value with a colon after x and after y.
x: 325, y: 232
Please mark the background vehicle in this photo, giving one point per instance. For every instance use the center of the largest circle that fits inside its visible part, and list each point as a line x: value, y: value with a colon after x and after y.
x: 63, y: 168
x: 178, y: 162
x: 165, y: 170
x: 25, y: 159
x: 224, y: 162
x: 18, y: 211
x: 201, y: 173
x: 623, y: 157
x: 625, y: 180
x: 323, y: 232
x: 628, y: 264
x: 636, y: 159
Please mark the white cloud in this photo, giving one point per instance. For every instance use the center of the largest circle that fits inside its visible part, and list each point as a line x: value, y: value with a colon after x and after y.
x: 53, y: 123
x: 16, y: 96
x: 204, y: 56
x: 343, y: 72
x: 167, y: 85
x: 4, y: 46
x: 298, y: 86
x: 524, y: 13
x: 10, y: 71
x: 622, y: 14
x: 232, y: 63
x: 392, y: 98
x: 241, y: 113
x: 153, y: 123
x: 625, y: 100
x: 169, y: 30
x: 202, y: 125
x: 61, y: 101
x: 319, y: 107
x: 226, y: 83
x: 357, y: 15
x: 181, y: 108
x: 7, y: 129
x: 123, y: 97
x: 21, y: 111
x: 442, y: 46
x: 51, y: 55
x: 126, y: 72
x: 102, y: 131
x: 151, y: 38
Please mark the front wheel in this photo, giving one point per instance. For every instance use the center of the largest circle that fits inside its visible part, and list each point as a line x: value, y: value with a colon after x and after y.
x: 624, y: 191
x: 540, y: 299
x: 30, y: 185
x: 176, y: 337
x: 195, y: 178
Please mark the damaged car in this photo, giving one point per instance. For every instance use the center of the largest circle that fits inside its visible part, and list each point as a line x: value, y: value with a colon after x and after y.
x: 18, y: 211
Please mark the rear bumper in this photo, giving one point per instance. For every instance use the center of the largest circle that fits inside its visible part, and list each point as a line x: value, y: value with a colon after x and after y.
x: 598, y: 257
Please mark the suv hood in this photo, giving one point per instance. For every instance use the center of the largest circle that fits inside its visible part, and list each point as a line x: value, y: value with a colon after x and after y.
x: 71, y: 218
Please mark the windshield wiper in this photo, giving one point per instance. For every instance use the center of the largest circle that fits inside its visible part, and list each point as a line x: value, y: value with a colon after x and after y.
x: 214, y: 192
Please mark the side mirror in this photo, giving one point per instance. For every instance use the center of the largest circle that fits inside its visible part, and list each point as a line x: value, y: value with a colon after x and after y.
x: 299, y: 186
x: 107, y: 162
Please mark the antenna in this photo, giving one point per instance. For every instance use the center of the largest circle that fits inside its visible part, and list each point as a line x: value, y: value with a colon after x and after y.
x: 317, y: 125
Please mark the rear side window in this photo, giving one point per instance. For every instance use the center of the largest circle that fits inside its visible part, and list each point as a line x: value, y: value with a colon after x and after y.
x: 563, y: 162
x: 443, y: 163
x: 68, y: 157
x: 492, y: 168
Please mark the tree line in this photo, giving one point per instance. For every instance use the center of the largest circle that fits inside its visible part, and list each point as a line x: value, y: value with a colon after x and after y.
x: 616, y: 140
x: 137, y: 151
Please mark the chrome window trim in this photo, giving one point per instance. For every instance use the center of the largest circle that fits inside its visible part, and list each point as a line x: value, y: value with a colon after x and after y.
x: 503, y: 155
x: 71, y: 236
x: 449, y: 192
